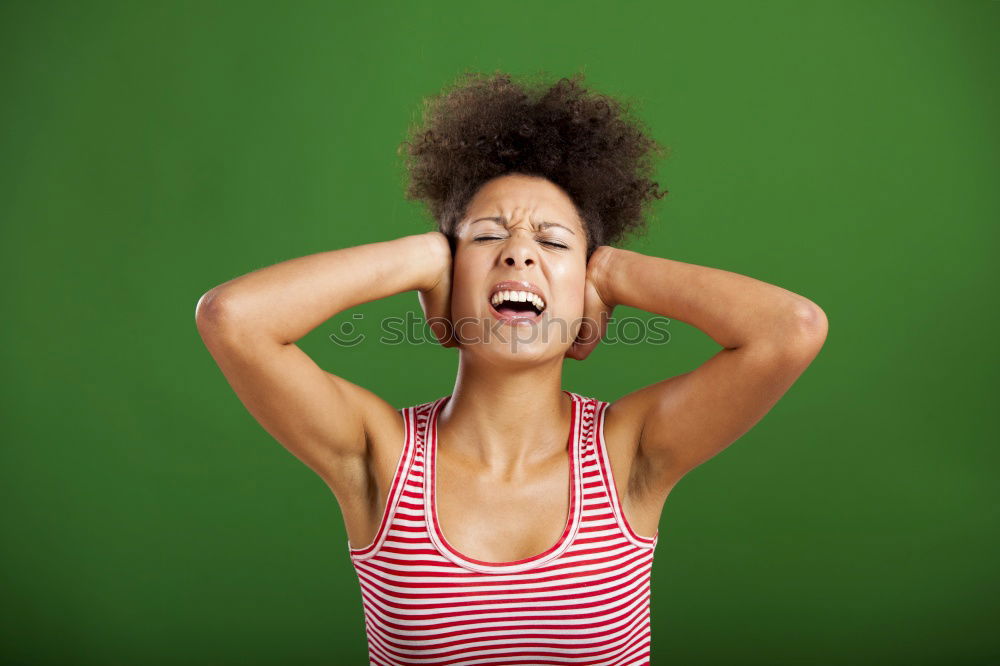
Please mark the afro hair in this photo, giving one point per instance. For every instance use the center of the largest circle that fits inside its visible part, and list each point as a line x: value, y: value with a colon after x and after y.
x: 488, y: 125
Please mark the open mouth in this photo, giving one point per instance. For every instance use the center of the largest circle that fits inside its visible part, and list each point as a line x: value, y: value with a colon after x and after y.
x: 515, y: 304
x: 513, y: 307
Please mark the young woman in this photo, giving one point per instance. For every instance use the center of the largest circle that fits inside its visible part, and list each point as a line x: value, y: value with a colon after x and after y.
x: 512, y: 521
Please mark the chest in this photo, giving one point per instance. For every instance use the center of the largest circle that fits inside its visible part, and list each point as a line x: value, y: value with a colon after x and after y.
x: 505, y: 521
x: 502, y: 520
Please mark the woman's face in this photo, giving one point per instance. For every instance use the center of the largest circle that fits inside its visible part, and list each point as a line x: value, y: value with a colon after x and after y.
x: 519, y: 228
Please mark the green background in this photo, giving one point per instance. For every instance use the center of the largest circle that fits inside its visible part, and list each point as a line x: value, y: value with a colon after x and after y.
x: 845, y: 151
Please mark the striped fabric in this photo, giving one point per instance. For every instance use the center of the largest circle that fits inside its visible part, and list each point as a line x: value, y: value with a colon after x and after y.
x: 585, y: 600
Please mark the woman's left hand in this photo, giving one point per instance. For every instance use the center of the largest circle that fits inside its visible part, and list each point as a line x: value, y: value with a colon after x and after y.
x: 597, y: 306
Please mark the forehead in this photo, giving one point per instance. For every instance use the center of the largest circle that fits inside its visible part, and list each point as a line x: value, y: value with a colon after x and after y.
x: 516, y: 194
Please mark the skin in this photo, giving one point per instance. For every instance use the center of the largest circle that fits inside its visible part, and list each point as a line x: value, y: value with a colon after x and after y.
x: 499, y: 377
x: 502, y: 477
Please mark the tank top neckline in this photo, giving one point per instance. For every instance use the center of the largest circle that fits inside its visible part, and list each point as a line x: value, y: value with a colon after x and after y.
x: 572, y: 519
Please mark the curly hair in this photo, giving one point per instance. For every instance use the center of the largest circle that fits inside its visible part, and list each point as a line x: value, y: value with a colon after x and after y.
x: 484, y: 126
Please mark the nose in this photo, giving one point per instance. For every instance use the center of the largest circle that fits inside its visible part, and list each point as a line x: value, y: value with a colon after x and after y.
x: 519, y: 250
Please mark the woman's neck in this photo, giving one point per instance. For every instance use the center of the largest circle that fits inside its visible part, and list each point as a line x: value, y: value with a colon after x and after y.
x: 505, y: 419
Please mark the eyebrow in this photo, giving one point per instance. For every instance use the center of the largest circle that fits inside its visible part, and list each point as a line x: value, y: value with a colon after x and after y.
x: 538, y: 225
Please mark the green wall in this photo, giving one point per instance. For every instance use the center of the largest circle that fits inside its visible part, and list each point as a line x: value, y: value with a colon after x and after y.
x: 149, y: 151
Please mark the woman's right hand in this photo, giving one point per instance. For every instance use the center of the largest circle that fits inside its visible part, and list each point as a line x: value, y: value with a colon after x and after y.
x: 436, y: 299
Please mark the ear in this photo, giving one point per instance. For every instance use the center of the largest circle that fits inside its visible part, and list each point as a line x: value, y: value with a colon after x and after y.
x: 596, y: 314
x: 436, y: 304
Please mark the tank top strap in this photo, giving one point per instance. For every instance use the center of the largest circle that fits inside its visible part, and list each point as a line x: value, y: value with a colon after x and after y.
x: 414, y: 435
x: 597, y: 452
x: 421, y: 415
x: 588, y: 417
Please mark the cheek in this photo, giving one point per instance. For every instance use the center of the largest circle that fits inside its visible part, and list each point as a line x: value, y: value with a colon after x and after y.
x: 467, y: 281
x: 575, y: 303
x: 570, y: 295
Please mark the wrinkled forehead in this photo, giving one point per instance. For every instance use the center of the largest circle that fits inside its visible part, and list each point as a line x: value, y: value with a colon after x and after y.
x: 515, y: 199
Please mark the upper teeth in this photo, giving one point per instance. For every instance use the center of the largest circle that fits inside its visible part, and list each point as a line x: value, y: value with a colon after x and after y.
x: 521, y: 296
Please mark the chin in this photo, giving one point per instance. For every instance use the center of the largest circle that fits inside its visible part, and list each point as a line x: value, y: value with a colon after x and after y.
x: 500, y: 342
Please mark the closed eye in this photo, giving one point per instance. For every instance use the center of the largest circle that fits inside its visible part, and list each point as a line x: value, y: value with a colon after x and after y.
x: 543, y: 242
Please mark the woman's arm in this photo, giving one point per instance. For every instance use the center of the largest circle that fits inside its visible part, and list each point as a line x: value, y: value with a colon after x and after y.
x: 769, y: 336
x: 250, y: 325
x: 286, y: 301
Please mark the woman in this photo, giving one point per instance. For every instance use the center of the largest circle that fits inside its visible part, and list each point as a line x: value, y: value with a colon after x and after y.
x: 467, y: 545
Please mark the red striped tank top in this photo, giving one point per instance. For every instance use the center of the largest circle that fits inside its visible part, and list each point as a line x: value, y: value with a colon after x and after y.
x: 585, y: 600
